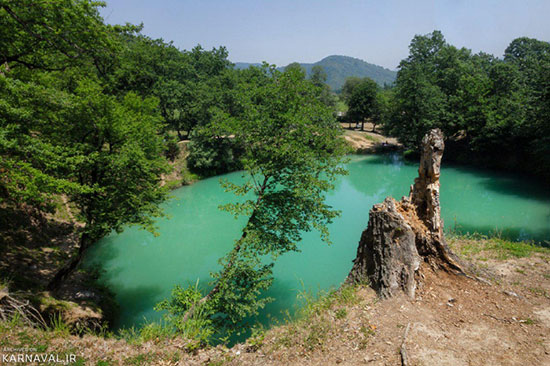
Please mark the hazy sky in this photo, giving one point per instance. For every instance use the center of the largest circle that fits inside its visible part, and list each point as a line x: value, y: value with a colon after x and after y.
x: 377, y: 31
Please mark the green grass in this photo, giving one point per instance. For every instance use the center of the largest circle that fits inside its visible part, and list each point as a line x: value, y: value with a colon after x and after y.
x: 481, y: 246
x: 341, y: 313
x: 59, y: 327
x: 312, y: 324
x: 317, y: 304
x: 139, y: 360
x: 370, y: 138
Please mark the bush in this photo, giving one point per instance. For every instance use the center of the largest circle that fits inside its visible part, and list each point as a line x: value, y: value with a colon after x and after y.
x: 171, y: 148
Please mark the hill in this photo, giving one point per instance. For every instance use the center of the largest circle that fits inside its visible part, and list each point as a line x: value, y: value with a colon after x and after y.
x: 338, y: 68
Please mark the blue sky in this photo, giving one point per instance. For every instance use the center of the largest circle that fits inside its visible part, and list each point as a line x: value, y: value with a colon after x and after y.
x: 378, y: 31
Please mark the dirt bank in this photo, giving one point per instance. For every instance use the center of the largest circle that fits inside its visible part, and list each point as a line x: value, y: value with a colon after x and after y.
x: 363, y: 142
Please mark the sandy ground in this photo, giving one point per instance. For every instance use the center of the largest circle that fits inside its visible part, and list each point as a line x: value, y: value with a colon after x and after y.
x: 367, y: 141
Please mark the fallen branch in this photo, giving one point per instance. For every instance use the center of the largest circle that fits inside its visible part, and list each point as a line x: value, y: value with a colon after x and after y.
x: 499, y: 319
x: 11, y: 307
x: 403, y: 351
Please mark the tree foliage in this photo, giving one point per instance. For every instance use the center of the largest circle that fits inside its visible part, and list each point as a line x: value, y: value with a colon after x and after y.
x: 65, y: 130
x: 363, y: 102
x: 291, y: 155
x: 492, y: 110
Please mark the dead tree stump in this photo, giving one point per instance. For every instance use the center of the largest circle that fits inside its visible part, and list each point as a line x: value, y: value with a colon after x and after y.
x: 400, y: 235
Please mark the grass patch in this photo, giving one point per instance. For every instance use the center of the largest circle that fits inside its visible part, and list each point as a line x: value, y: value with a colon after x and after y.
x: 317, y: 304
x: 139, y: 360
x: 314, y: 320
x: 482, y: 247
x: 370, y: 138
x: 59, y: 327
x: 155, y: 331
x: 529, y: 321
x: 366, y: 333
x: 537, y: 291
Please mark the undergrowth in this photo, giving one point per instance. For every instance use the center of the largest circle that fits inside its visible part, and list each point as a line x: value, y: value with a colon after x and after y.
x: 313, y: 322
x: 493, y: 246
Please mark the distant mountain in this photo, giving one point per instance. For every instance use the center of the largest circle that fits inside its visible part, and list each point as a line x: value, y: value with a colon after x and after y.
x: 338, y: 68
x: 245, y: 65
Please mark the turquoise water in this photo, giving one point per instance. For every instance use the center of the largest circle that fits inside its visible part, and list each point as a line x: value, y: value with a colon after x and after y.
x: 142, y: 269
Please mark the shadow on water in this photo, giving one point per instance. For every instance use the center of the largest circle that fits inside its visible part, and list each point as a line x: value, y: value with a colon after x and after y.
x: 525, y: 189
x: 506, y: 183
x: 540, y: 237
x: 140, y: 298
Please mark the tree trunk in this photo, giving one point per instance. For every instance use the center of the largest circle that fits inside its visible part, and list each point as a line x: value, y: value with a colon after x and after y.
x: 363, y: 125
x: 70, y: 266
x: 235, y: 252
x: 400, y: 235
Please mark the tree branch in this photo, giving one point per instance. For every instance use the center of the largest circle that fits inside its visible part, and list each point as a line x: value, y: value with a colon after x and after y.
x: 233, y: 256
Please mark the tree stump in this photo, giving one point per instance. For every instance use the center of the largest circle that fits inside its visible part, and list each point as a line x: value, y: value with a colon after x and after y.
x: 400, y: 235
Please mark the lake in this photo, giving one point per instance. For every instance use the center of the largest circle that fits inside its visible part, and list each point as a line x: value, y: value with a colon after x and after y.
x: 142, y: 269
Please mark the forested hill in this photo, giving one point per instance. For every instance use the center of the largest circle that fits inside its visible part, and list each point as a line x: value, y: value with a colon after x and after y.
x: 338, y: 68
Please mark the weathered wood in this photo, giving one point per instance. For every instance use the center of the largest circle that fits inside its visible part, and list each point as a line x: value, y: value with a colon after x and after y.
x: 387, y: 256
x: 400, y: 235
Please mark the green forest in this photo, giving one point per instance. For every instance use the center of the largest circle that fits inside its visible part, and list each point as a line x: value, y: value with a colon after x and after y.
x: 92, y: 116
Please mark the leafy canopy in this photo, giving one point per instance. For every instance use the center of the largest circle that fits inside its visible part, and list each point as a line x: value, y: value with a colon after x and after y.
x: 292, y: 153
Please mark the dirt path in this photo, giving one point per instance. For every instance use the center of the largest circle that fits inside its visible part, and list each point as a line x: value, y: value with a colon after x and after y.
x: 368, y: 141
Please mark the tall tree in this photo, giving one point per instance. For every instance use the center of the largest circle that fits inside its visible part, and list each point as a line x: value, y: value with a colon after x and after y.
x: 350, y: 84
x: 62, y: 131
x: 363, y: 102
x: 295, y: 66
x: 318, y: 76
x: 118, y: 159
x: 51, y: 34
x: 292, y: 153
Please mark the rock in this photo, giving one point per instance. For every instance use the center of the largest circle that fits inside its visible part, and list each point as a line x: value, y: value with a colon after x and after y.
x: 87, y: 295
x: 400, y: 235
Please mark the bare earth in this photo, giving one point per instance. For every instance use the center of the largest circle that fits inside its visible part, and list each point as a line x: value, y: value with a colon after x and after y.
x: 367, y: 141
x: 453, y: 321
